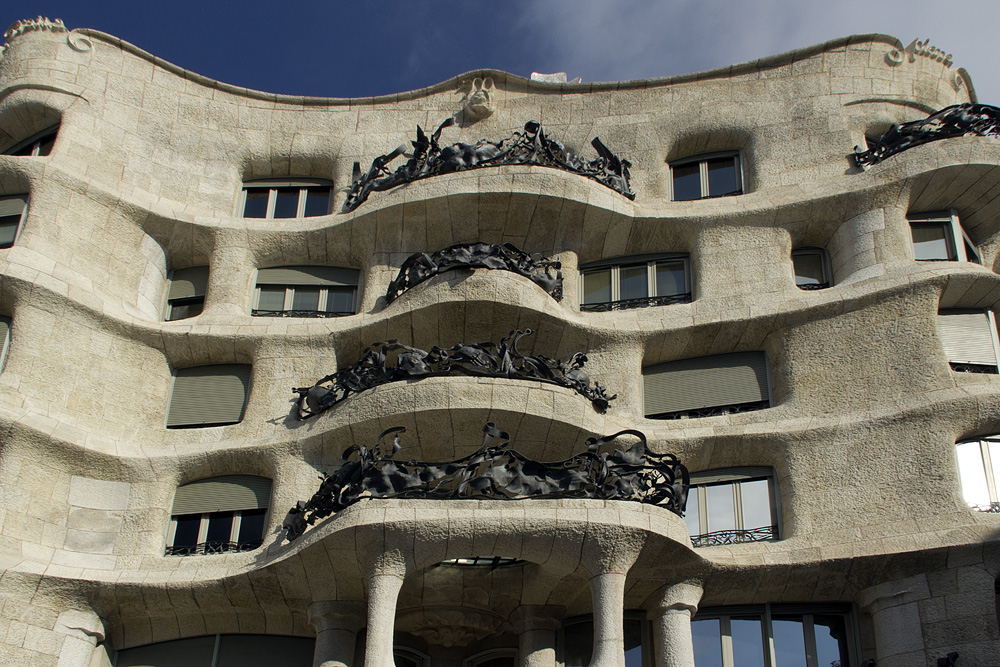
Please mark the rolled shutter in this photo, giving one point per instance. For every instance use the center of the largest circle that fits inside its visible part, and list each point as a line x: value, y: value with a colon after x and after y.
x: 189, y: 282
x: 730, y: 475
x: 967, y: 338
x: 13, y: 205
x: 209, y: 395
x: 308, y: 275
x: 705, y: 382
x: 223, y: 494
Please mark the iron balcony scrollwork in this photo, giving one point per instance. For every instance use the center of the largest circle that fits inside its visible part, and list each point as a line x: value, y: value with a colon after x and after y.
x: 641, y: 302
x: 496, y: 472
x: 391, y: 361
x: 422, y: 266
x: 531, y: 147
x: 720, y: 537
x: 954, y: 121
x: 213, y: 547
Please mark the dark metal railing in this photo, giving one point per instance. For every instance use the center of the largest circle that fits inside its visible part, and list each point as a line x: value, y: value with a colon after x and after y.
x: 813, y: 286
x: 713, y: 411
x: 642, y: 302
x: 211, y: 548
x: 299, y: 313
x: 992, y: 508
x: 720, y: 537
x: 973, y: 368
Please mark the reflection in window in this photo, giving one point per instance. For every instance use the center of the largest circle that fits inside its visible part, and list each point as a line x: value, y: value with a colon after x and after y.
x: 578, y: 641
x: 771, y: 636
x: 286, y: 199
x: 732, y: 506
x: 940, y: 237
x: 812, y: 268
x: 976, y: 461
x: 705, y: 176
x: 635, y: 282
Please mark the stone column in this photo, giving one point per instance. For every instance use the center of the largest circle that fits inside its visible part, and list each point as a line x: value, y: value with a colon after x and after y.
x: 608, y: 591
x: 536, y: 626
x: 383, y: 590
x: 671, y: 616
x: 337, y: 625
x: 84, y: 630
x: 230, y: 277
x: 893, y: 605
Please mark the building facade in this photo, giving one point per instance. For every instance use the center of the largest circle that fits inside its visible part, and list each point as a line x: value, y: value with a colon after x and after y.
x: 815, y: 341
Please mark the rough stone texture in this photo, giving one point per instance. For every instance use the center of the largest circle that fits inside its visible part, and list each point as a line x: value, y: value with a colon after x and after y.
x: 145, y: 177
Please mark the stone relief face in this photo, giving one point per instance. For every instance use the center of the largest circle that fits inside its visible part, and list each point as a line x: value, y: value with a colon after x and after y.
x: 479, y: 99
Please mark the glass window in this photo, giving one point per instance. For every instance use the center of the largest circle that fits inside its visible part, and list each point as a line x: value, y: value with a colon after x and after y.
x: 940, y: 237
x: 306, y: 291
x: 12, y: 212
x: 286, y: 199
x: 731, y: 506
x: 703, y: 177
x: 812, y: 268
x: 222, y: 651
x: 976, y: 461
x: 578, y: 641
x: 219, y: 514
x: 653, y: 281
x: 36, y: 146
x: 186, y: 293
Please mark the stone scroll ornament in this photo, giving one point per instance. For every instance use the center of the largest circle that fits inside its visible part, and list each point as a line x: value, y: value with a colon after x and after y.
x: 421, y: 266
x: 531, y: 146
x: 955, y: 121
x: 495, y: 472
x: 391, y: 361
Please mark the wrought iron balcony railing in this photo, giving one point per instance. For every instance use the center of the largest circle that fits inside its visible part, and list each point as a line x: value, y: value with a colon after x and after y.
x: 643, y: 302
x: 713, y: 411
x: 211, y: 548
x: 813, y: 286
x: 973, y: 368
x: 299, y: 313
x: 992, y: 508
x: 719, y: 537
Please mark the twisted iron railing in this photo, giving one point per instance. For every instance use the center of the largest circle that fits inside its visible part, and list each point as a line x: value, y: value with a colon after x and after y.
x: 983, y: 369
x: 642, y: 302
x: 720, y: 537
x: 713, y: 411
x: 214, y: 547
x: 299, y: 313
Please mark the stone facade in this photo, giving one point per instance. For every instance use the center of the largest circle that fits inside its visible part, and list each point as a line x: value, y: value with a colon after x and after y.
x: 146, y: 176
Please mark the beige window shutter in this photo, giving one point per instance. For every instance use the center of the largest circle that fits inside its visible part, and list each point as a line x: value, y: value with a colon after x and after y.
x: 705, y: 382
x: 227, y: 493
x: 967, y: 338
x: 205, y: 395
x: 189, y: 282
x: 328, y: 276
x: 13, y: 205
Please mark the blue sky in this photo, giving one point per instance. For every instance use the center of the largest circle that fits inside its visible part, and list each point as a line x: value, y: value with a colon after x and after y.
x: 355, y: 49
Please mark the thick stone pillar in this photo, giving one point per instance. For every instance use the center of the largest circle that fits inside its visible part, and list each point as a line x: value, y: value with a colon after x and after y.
x: 383, y: 590
x: 536, y: 626
x: 84, y: 630
x: 675, y: 606
x: 608, y: 591
x: 893, y: 605
x: 337, y: 625
x: 230, y: 279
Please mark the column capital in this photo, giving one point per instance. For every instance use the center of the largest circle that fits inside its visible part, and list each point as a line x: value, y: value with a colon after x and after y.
x: 537, y: 617
x: 333, y: 615
x: 682, y: 596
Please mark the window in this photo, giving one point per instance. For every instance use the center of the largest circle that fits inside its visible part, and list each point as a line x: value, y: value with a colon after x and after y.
x: 497, y: 657
x: 408, y: 657
x: 285, y: 199
x: 812, y: 268
x: 12, y: 211
x: 221, y: 651
x: 219, y: 514
x: 976, y: 461
x: 774, y: 636
x: 306, y: 291
x: 208, y: 396
x: 969, y: 339
x: 635, y: 282
x: 707, y: 386
x: 732, y: 506
x: 706, y: 176
x: 4, y: 339
x: 38, y: 145
x: 940, y: 237
x: 577, y: 641
x: 186, y: 296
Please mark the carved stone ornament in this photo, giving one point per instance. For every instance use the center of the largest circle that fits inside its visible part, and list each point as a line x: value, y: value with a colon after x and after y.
x: 495, y: 472
x: 450, y: 626
x: 478, y: 101
x: 531, y: 146
x: 75, y: 40
x: 421, y: 266
x: 954, y: 121
x: 391, y: 361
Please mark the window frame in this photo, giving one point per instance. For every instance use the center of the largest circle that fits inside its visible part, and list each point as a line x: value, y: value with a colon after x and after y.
x: 324, y: 296
x: 273, y: 184
x: 990, y: 470
x: 178, y: 372
x: 709, y: 410
x: 958, y: 240
x: 617, y: 264
x: 185, y: 300
x: 490, y: 654
x: 35, y: 141
x: 824, y: 258
x: 766, y: 613
x: 967, y: 367
x: 703, y: 159
x: 201, y: 543
x: 734, y: 477
x: 246, y: 483
x: 20, y: 217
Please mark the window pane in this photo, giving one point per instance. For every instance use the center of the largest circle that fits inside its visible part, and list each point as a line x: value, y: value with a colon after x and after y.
x: 183, y: 308
x: 722, y: 176
x: 8, y: 230
x: 193, y: 652
x: 633, y: 642
x: 789, y: 643
x: 186, y: 531
x: 670, y: 278
x: 972, y: 473
x: 251, y: 528
x: 403, y: 660
x: 265, y: 651
x: 24, y: 151
x: 707, y: 639
x: 220, y: 530
x: 305, y: 298
x: 287, y: 203
x: 45, y: 144
x: 687, y: 182
x: 256, y: 204
x: 808, y: 268
x: 503, y: 661
x: 691, y: 514
x: 579, y: 646
x: 272, y: 297
x: 597, y: 286
x: 634, y: 282
x: 721, y: 512
x: 317, y: 201
x: 340, y: 300
x: 971, y: 252
x: 756, y: 497
x: 931, y: 242
x: 748, y: 642
x: 831, y: 640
